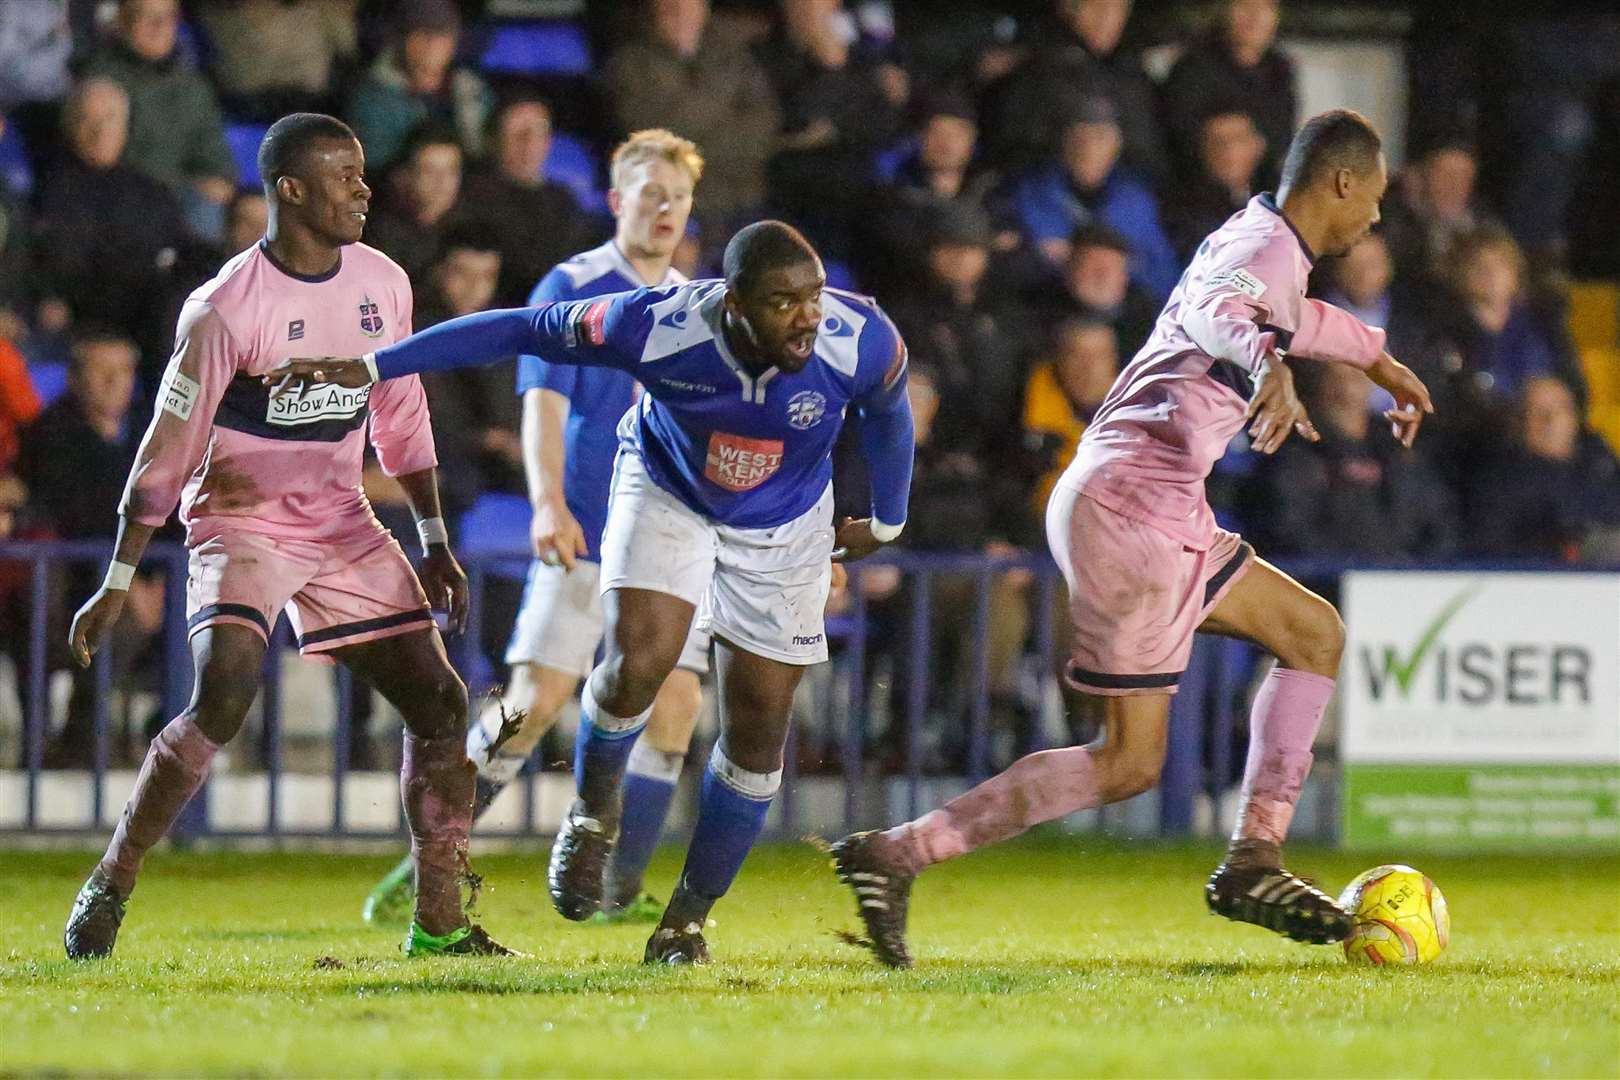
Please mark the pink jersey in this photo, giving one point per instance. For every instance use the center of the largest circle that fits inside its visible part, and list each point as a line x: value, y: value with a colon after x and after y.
x: 234, y: 458
x: 1171, y: 412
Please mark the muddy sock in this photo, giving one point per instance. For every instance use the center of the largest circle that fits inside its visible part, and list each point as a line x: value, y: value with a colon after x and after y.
x: 437, y: 782
x: 175, y: 768
x: 1282, y: 726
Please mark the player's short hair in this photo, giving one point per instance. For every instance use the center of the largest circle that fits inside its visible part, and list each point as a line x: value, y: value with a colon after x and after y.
x: 1098, y: 235
x: 282, y: 149
x: 1336, y: 139
x: 759, y: 248
x: 655, y: 144
x: 467, y: 236
x: 430, y: 133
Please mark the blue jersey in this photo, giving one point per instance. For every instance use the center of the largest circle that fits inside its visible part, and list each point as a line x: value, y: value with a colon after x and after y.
x: 597, y: 396
x: 751, y: 449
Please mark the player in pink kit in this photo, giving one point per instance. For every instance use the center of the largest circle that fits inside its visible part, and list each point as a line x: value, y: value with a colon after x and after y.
x: 1147, y: 566
x: 269, y: 493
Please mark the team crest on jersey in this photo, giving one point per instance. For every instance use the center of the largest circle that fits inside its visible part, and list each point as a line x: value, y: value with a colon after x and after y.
x: 740, y: 464
x: 371, y: 320
x: 806, y: 408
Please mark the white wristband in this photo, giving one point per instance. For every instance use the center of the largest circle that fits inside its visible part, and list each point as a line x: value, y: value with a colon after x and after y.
x: 370, y: 360
x: 884, y: 534
x: 432, y: 531
x: 119, y: 575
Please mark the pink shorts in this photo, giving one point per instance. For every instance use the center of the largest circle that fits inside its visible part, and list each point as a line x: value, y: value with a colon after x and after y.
x: 1136, y: 595
x: 335, y: 592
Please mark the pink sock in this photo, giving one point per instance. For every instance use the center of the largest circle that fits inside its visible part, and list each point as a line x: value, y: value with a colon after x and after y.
x: 175, y: 767
x: 1287, y: 714
x: 1035, y: 788
x: 436, y: 781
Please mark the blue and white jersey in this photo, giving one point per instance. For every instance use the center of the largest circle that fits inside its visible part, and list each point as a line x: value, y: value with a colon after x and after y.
x: 743, y: 448
x: 597, y: 396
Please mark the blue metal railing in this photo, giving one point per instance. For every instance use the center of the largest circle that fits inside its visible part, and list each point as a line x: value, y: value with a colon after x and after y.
x: 1205, y: 716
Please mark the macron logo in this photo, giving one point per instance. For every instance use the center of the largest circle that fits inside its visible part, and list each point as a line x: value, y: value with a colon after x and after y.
x: 808, y: 639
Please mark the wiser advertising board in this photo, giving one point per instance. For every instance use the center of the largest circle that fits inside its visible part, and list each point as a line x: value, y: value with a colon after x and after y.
x: 1482, y: 710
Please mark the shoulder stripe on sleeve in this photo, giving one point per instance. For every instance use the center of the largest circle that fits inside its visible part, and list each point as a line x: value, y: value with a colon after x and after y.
x: 897, y: 366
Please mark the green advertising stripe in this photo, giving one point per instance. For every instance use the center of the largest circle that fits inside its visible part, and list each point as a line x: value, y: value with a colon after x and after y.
x: 1482, y: 807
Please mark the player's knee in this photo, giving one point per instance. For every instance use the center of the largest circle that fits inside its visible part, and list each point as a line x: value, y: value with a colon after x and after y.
x: 1127, y: 771
x: 1316, y: 639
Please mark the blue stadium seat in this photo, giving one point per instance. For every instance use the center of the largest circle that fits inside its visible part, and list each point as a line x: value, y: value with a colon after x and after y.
x: 244, y: 139
x: 50, y: 381
x: 15, y: 165
x: 497, y: 523
x: 537, y: 48
x: 890, y: 161
x: 572, y: 164
x: 840, y: 275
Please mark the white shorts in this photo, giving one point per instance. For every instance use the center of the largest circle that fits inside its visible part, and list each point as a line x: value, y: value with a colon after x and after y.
x: 560, y: 623
x: 766, y: 589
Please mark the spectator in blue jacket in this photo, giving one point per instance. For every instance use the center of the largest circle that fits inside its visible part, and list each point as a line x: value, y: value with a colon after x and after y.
x: 1087, y: 186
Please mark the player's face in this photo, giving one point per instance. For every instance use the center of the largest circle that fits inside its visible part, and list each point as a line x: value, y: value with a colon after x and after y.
x: 331, y: 185
x: 783, y: 313
x: 1358, y: 208
x: 652, y: 204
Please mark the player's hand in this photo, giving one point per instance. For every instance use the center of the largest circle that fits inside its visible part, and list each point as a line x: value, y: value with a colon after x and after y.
x: 1275, y: 410
x: 446, y: 585
x: 854, y: 540
x: 94, y: 622
x: 556, y: 536
x: 1412, y: 400
x: 299, y: 374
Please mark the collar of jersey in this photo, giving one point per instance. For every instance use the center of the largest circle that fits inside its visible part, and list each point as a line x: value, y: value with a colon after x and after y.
x: 1269, y: 201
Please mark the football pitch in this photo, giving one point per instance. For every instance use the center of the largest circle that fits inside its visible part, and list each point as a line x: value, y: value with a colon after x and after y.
x: 1049, y: 957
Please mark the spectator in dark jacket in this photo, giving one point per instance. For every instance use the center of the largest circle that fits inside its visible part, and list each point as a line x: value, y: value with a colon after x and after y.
x: 537, y: 221
x: 75, y: 458
x: 1357, y: 493
x: 475, y: 412
x: 840, y: 108
x: 1554, y: 493
x: 421, y: 205
x: 414, y: 80
x: 107, y: 235
x: 1095, y: 284
x: 690, y: 75
x: 1078, y: 53
x: 1238, y: 67
x: 1432, y: 207
x: 272, y: 57
x: 971, y: 341
x: 1087, y: 185
x: 1230, y: 152
x: 176, y: 132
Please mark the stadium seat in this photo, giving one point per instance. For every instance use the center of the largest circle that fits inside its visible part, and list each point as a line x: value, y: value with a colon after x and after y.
x: 537, y: 48
x: 572, y: 164
x: 15, y: 164
x: 244, y: 140
x: 497, y: 524
x: 840, y: 275
x: 50, y: 381
x: 890, y: 161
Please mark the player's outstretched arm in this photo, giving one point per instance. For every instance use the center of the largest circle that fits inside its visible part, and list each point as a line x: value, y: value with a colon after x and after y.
x: 1412, y: 401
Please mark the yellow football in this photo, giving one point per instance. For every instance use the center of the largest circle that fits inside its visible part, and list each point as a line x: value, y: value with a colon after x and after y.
x: 1401, y: 917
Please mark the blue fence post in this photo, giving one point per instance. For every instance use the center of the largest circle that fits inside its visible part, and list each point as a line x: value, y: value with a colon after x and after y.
x: 340, y: 744
x: 1045, y: 648
x: 178, y: 676
x: 855, y: 720
x: 1182, y: 778
x: 271, y: 714
x: 917, y: 684
x: 38, y: 710
x: 979, y: 716
x: 101, y: 673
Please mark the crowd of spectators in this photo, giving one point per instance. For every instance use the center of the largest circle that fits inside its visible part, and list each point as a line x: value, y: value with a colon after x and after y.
x: 1017, y: 190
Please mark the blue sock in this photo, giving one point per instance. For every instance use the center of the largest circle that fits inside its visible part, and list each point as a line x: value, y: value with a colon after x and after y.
x: 649, y: 788
x: 601, y: 751
x: 731, y: 815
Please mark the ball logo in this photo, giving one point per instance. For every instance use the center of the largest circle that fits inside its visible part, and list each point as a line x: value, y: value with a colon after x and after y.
x: 806, y: 408
x: 371, y: 320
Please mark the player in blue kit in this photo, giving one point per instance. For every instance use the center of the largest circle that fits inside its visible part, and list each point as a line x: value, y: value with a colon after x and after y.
x: 722, y: 493
x: 569, y: 442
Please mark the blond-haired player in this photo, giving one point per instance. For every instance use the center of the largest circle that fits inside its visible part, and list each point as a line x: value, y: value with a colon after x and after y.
x: 570, y: 416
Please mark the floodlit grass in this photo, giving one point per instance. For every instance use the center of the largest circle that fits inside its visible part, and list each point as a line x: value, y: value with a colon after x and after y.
x: 1043, y: 958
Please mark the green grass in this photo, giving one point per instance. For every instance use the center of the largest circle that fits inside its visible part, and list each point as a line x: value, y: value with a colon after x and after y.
x: 1042, y: 958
